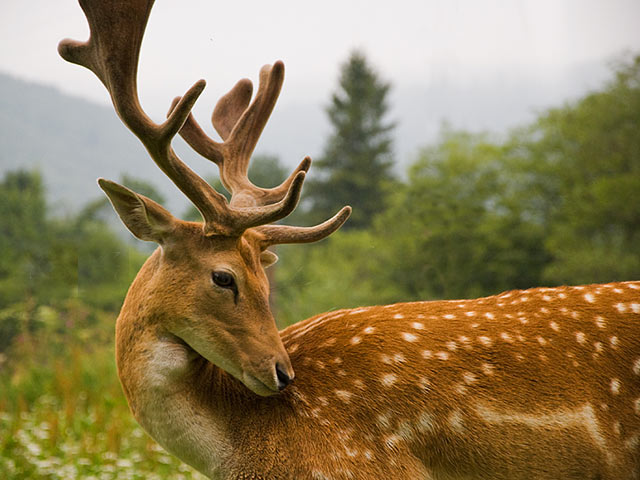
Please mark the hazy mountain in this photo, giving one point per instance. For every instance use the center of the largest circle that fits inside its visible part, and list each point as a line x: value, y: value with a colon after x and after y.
x: 72, y: 141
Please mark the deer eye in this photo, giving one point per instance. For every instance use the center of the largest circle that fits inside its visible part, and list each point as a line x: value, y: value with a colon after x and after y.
x: 224, y: 280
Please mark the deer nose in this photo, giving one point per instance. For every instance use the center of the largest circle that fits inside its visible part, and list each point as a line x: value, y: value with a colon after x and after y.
x: 283, y: 378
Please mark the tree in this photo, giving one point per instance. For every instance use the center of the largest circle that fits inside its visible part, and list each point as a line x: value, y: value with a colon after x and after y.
x: 23, y: 231
x: 586, y: 157
x: 454, y: 230
x: 355, y: 168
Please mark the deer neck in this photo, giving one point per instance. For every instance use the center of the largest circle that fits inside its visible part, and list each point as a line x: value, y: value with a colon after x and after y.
x: 175, y: 394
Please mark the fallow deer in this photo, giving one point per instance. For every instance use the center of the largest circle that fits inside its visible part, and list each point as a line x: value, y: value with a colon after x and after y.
x: 535, y: 384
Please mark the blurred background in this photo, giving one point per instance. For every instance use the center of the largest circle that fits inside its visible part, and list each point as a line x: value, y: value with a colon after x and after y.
x: 484, y: 146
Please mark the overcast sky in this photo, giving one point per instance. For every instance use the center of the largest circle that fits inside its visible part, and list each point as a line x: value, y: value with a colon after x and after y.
x: 412, y: 43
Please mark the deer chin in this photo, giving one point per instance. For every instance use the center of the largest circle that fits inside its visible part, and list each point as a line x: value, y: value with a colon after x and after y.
x: 249, y: 376
x: 257, y: 386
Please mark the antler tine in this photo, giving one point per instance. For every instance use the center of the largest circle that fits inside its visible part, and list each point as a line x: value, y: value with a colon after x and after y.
x: 111, y: 53
x: 240, y: 124
x: 279, y: 234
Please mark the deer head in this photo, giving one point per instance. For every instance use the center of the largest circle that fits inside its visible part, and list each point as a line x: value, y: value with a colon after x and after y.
x: 206, y: 284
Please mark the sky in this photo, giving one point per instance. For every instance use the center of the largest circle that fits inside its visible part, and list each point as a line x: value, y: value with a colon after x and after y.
x: 472, y: 46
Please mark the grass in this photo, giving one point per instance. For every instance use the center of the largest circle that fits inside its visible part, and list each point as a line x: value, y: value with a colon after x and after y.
x: 62, y: 412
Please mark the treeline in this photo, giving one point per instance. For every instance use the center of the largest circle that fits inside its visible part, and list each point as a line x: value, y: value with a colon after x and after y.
x: 556, y: 202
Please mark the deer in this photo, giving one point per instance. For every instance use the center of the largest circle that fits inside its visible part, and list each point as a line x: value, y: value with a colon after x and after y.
x: 542, y: 383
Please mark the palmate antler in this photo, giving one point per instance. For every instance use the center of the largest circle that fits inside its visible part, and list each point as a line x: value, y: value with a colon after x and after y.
x: 112, y: 53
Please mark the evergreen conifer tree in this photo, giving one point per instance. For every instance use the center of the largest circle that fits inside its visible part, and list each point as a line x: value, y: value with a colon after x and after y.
x: 355, y: 168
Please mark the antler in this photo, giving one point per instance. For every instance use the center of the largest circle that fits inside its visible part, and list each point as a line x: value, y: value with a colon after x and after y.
x: 112, y: 52
x: 240, y: 125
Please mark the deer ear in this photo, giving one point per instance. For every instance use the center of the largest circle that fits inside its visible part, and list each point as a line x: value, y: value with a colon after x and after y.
x: 145, y: 219
x: 268, y: 258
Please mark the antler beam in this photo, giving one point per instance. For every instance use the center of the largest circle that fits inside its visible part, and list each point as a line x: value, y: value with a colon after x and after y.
x: 112, y: 53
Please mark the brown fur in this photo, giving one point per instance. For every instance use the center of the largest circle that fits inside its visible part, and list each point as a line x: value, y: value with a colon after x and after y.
x: 520, y: 393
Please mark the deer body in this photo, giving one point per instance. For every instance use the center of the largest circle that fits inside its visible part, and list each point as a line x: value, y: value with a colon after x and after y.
x: 538, y: 384
x: 535, y: 384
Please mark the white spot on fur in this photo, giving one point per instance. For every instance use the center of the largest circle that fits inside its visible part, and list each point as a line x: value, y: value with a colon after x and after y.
x: 614, y: 342
x: 541, y: 340
x: 398, y: 316
x: 337, y: 361
x: 358, y: 383
x: 359, y: 310
x: 506, y: 337
x: 489, y: 315
x: 621, y: 307
x: 589, y: 297
x: 320, y: 364
x: 319, y: 475
x: 389, y: 379
x: 600, y: 322
x: 633, y: 286
x: 554, y: 326
x: 392, y: 441
x: 409, y: 337
x: 442, y: 355
x: 461, y: 389
x: 580, y: 337
x: 546, y: 298
x: 426, y: 354
x: 636, y: 406
x: 343, y: 395
x: 487, y: 369
x: 355, y: 340
x: 616, y: 428
x: 632, y: 442
x: 598, y: 347
x: 451, y: 345
x: 544, y: 310
x: 455, y: 421
x: 384, y: 421
x: 449, y: 316
x: 424, y: 383
x: 293, y: 348
x: 615, y: 386
x: 417, y: 326
x: 425, y: 423
x: 323, y: 401
x: 636, y: 366
x: 486, y: 341
x: 470, y: 314
x: 369, y: 330
x: 399, y: 358
x: 635, y: 307
x: 469, y: 378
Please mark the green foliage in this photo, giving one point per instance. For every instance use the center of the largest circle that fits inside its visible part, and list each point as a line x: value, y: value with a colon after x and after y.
x: 453, y: 231
x: 62, y: 412
x: 588, y: 156
x: 341, y: 272
x: 355, y: 168
x: 557, y: 202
